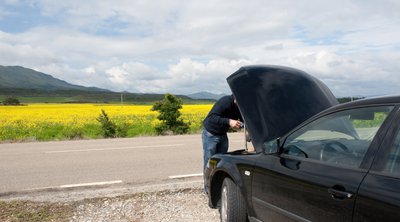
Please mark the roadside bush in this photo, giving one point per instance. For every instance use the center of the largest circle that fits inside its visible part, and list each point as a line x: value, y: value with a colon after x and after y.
x: 169, y: 115
x: 108, y: 127
x: 11, y: 101
x: 122, y: 130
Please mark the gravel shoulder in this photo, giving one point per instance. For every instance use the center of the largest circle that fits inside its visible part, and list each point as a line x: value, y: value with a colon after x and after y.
x: 181, y: 200
x: 177, y: 205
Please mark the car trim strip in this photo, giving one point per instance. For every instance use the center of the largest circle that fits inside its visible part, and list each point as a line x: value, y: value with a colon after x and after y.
x: 279, y: 210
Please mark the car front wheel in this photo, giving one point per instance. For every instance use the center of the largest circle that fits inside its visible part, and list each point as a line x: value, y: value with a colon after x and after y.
x: 233, y: 206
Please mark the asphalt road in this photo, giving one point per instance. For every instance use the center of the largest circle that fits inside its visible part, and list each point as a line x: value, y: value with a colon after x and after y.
x: 43, y: 165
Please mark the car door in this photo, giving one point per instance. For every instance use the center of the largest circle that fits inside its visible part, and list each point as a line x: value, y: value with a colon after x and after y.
x: 320, y: 168
x: 378, y: 197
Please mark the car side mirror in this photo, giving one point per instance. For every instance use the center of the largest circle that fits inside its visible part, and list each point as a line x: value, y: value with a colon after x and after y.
x: 271, y: 147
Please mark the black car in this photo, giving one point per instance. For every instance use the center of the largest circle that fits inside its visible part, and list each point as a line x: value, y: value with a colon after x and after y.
x: 314, y: 159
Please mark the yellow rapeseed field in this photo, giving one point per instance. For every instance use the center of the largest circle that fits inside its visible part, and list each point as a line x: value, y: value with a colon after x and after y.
x: 63, y: 121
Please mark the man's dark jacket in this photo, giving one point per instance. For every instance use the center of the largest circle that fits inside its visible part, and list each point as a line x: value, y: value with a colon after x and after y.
x: 217, y: 120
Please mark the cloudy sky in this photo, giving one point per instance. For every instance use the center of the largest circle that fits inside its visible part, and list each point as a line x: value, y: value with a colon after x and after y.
x: 188, y: 46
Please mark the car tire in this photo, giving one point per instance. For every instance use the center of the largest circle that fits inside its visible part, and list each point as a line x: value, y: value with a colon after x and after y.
x: 232, y: 205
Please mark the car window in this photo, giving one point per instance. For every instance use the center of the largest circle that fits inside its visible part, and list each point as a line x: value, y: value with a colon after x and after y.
x: 393, y: 160
x: 339, y: 138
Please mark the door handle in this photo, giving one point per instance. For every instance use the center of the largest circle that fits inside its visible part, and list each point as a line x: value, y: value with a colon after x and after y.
x: 338, y: 194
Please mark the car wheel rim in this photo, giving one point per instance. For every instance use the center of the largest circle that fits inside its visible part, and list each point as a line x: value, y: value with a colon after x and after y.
x: 224, y: 204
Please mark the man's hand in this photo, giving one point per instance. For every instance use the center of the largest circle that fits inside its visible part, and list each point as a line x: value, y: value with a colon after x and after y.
x: 234, y: 124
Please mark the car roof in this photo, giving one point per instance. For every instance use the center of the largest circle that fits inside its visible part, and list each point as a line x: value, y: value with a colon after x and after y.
x: 371, y: 101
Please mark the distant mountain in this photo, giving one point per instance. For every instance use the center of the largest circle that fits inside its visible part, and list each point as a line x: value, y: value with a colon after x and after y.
x: 17, y: 77
x: 31, y: 86
x: 205, y: 95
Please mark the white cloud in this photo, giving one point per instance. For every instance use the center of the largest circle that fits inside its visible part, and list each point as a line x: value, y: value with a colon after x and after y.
x: 189, y: 46
x: 90, y: 70
x: 192, y: 76
x: 25, y: 54
x: 134, y: 77
x: 117, y: 75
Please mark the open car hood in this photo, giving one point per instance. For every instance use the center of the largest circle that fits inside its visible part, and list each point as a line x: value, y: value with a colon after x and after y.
x: 275, y: 99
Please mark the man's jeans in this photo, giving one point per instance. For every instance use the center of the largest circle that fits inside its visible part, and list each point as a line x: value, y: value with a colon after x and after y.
x: 213, y: 144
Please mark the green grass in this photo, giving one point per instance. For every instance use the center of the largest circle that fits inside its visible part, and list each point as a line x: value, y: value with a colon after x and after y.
x: 81, y: 99
x: 39, y: 99
x: 54, y: 131
x: 76, y: 96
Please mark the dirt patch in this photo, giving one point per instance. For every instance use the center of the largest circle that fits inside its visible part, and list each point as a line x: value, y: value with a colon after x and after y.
x: 35, y: 211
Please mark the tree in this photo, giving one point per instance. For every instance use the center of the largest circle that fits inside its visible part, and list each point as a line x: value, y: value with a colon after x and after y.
x: 11, y: 101
x: 169, y: 115
x: 109, y: 128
